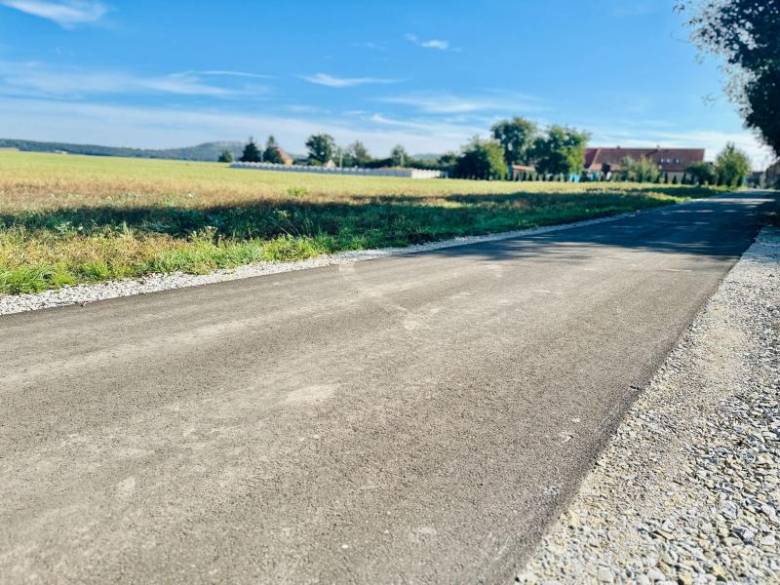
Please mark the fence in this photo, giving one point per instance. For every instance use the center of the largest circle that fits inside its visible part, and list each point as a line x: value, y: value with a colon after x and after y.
x: 404, y: 173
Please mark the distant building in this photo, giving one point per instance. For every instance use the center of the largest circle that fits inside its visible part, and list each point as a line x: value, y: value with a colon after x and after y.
x: 519, y: 170
x: 286, y: 158
x: 772, y: 175
x: 671, y: 161
x: 334, y: 170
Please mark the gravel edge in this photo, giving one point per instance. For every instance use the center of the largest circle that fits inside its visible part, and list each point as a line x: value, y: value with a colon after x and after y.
x: 688, y: 490
x: 71, y: 295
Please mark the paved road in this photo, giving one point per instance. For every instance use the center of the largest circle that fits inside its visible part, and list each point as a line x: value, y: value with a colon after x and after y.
x: 409, y: 420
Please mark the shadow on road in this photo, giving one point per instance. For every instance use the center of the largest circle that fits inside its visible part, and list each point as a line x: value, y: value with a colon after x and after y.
x: 718, y: 227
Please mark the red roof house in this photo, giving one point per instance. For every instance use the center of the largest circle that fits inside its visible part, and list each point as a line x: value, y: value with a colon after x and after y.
x: 672, y: 161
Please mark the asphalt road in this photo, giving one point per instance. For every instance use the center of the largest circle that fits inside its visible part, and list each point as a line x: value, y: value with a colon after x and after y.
x: 415, y: 419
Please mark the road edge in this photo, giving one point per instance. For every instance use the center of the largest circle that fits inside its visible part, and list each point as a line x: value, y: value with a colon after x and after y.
x: 87, y: 293
x: 683, y: 491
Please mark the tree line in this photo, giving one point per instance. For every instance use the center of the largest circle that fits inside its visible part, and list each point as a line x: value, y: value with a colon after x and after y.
x: 556, y: 153
x: 322, y: 149
x: 731, y: 169
x: 560, y: 150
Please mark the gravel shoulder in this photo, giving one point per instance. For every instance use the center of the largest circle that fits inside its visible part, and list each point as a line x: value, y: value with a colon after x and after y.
x: 688, y: 491
x: 71, y: 295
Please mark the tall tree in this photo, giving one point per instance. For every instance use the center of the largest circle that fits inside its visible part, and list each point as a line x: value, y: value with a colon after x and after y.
x: 745, y: 33
x: 732, y: 166
x: 251, y: 152
x: 321, y: 148
x: 641, y: 170
x: 481, y: 159
x: 399, y: 156
x: 272, y: 154
x: 447, y: 162
x: 701, y: 173
x: 359, y: 154
x: 560, y: 151
x: 516, y: 137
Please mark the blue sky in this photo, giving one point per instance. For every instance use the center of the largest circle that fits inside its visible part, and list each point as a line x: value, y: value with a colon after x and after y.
x: 425, y: 74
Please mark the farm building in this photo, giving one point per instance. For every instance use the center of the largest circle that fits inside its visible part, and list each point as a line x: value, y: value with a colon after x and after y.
x: 286, y: 158
x: 334, y: 170
x: 671, y: 161
x: 772, y: 175
x: 519, y: 171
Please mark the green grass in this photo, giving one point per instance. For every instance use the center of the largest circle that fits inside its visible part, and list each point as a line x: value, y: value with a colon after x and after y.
x: 71, y: 220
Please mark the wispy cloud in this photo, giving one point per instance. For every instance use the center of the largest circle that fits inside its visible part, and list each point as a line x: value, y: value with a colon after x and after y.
x: 332, y: 81
x: 224, y: 73
x: 67, y: 13
x: 48, y: 119
x: 371, y: 45
x: 157, y: 127
x: 447, y: 103
x: 439, y: 44
x: 36, y: 79
x: 456, y: 130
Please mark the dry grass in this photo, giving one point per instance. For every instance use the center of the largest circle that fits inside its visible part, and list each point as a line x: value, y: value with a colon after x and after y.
x: 73, y: 219
x: 44, y: 181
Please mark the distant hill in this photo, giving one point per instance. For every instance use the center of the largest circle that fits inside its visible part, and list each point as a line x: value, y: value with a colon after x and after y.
x: 208, y: 151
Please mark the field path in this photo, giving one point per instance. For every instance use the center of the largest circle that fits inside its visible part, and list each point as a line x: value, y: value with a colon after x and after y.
x: 415, y: 419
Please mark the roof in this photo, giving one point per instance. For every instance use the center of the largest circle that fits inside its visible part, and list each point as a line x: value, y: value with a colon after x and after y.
x: 285, y: 156
x: 667, y: 159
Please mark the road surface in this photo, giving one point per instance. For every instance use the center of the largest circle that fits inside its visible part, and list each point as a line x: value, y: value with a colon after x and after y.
x: 415, y: 419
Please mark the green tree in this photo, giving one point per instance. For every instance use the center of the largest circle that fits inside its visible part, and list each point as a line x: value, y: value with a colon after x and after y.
x: 561, y: 150
x: 358, y: 154
x: 225, y: 157
x: 641, y: 170
x: 732, y: 166
x: 251, y: 152
x: 745, y: 34
x: 272, y: 154
x: 399, y: 156
x: 447, y: 162
x: 321, y: 148
x: 483, y: 159
x: 342, y: 157
x: 701, y: 173
x: 516, y: 137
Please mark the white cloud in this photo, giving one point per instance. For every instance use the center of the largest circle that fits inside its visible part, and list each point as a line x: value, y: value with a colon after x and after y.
x: 436, y: 44
x: 456, y: 132
x: 224, y: 73
x: 168, y: 127
x: 35, y: 79
x: 66, y: 13
x: 332, y: 81
x: 439, y: 44
x: 446, y: 103
x: 371, y: 45
x: 158, y: 127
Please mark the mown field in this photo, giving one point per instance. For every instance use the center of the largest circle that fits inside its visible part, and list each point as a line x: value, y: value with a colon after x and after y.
x: 73, y: 219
